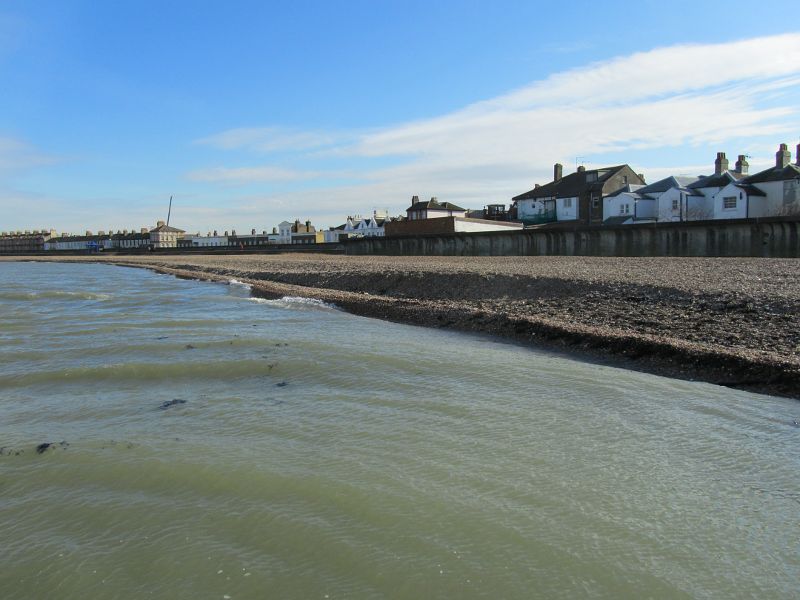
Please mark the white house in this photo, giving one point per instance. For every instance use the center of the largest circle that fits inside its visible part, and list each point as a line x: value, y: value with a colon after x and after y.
x: 206, y: 241
x: 285, y: 232
x: 774, y: 192
x: 432, y: 209
x: 627, y: 205
x: 674, y: 200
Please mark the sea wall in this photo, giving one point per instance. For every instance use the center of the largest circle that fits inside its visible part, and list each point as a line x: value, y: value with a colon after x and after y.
x: 772, y: 238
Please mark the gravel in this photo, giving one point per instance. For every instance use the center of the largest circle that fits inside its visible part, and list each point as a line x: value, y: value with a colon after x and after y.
x: 732, y: 321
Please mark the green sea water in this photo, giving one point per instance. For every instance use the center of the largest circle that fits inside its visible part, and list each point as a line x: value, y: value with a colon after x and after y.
x: 321, y: 455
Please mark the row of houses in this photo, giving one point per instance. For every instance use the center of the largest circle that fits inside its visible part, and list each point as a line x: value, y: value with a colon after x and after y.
x: 619, y: 196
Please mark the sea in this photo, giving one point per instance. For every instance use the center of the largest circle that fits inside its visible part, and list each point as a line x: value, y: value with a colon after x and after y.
x: 166, y: 438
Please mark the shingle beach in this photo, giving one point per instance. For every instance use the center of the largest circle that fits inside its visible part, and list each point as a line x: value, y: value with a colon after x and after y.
x: 731, y: 321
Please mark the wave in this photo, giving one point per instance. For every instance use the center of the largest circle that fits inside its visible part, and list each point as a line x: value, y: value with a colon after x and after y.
x: 297, y: 302
x: 164, y: 371
x: 236, y: 282
x: 54, y: 295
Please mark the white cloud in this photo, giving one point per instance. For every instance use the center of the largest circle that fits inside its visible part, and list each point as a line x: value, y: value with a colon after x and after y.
x: 691, y: 96
x: 271, y: 139
x: 245, y: 175
x: 16, y: 154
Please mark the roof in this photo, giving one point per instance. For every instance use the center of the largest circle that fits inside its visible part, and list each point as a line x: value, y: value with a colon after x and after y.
x: 166, y: 229
x: 750, y: 190
x: 790, y: 171
x: 719, y: 181
x: 668, y: 183
x: 571, y: 185
x: 631, y: 190
x: 434, y: 205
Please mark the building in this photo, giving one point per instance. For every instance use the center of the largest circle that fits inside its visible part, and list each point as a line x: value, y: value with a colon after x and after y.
x: 298, y: 233
x: 25, y: 242
x: 88, y: 242
x: 773, y: 192
x: 164, y: 236
x: 627, y: 205
x: 576, y: 197
x: 130, y: 240
x: 432, y: 209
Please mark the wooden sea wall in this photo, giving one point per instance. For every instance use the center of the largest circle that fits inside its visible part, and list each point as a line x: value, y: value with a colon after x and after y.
x: 771, y: 238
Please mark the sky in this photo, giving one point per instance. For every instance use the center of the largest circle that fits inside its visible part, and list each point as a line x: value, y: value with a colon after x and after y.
x: 252, y: 113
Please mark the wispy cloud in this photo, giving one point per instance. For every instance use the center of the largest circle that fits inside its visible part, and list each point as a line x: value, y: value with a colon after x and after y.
x: 272, y: 139
x: 17, y: 154
x: 688, y: 96
x: 245, y: 175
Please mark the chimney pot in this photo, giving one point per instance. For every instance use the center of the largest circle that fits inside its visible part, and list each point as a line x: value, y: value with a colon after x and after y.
x: 160, y: 224
x: 742, y: 165
x: 558, y: 169
x: 783, y: 157
x: 721, y: 164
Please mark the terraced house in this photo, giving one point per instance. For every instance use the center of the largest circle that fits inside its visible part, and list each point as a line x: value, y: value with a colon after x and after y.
x: 576, y: 197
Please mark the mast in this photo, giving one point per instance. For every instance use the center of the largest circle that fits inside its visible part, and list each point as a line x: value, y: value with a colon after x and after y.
x: 170, y: 210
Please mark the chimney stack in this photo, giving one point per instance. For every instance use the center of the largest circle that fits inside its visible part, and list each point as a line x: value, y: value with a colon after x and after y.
x: 143, y: 230
x: 797, y: 162
x: 252, y: 232
x: 581, y: 169
x: 783, y: 157
x: 721, y: 164
x: 742, y: 165
x: 414, y: 200
x: 558, y: 169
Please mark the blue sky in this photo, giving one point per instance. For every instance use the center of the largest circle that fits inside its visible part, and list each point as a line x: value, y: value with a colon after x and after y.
x: 250, y: 113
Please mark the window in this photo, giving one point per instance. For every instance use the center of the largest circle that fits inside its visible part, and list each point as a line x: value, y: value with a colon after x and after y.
x: 590, y: 177
x: 624, y: 209
x: 567, y: 202
x: 624, y: 180
x: 729, y: 203
x: 675, y: 204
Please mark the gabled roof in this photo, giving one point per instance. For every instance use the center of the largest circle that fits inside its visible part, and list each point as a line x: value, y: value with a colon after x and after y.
x: 434, y: 205
x: 668, y: 183
x: 166, y: 229
x: 790, y: 171
x: 571, y: 185
x: 719, y: 181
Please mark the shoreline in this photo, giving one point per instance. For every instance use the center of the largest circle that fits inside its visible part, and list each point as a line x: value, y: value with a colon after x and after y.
x: 485, y: 303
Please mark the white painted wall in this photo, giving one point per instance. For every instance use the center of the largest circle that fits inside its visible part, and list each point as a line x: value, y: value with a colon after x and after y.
x: 566, y: 209
x: 621, y: 205
x: 531, y: 208
x: 207, y: 240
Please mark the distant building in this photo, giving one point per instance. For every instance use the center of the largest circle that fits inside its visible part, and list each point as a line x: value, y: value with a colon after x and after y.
x: 164, y: 236
x: 24, y: 242
x: 432, y: 209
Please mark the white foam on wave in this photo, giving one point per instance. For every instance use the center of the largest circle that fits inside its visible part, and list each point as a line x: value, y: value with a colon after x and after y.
x: 238, y: 283
x: 296, y: 302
